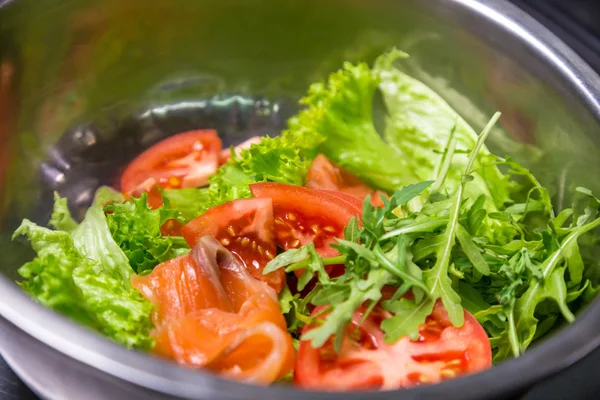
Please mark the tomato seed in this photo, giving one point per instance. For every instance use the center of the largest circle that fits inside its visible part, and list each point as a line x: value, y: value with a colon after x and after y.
x: 269, y: 254
x: 330, y: 229
x: 454, y: 363
x: 279, y: 222
x: 174, y: 181
x: 291, y: 216
x: 225, y: 242
x: 231, y: 231
x: 253, y: 245
x: 447, y: 373
x: 245, y: 241
x: 260, y: 250
x: 295, y: 243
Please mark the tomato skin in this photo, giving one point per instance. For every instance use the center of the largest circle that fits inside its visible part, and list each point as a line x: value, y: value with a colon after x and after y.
x: 304, y: 215
x: 368, y: 362
x: 354, y: 201
x: 182, y: 160
x: 325, y: 175
x: 253, y: 239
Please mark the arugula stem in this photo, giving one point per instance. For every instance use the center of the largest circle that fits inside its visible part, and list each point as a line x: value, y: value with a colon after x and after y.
x: 334, y: 260
x: 512, y: 333
x: 386, y: 264
x: 326, y: 261
x: 427, y: 226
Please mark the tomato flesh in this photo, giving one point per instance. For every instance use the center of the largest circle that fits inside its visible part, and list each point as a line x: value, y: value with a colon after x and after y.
x: 244, y: 227
x: 325, y: 175
x: 366, y: 361
x: 304, y: 215
x: 184, y: 160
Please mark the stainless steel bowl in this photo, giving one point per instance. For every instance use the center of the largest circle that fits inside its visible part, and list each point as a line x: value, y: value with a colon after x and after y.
x: 84, y: 84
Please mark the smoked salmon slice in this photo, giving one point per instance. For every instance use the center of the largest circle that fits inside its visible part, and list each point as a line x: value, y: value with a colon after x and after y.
x: 211, y: 313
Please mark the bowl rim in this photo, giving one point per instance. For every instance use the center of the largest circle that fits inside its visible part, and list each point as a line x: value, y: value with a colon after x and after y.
x: 559, y: 351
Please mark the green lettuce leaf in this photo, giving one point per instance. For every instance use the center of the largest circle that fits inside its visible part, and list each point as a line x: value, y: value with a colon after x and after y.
x: 418, y: 124
x: 135, y: 229
x: 341, y: 111
x: 85, y: 275
x: 188, y: 202
x: 283, y: 159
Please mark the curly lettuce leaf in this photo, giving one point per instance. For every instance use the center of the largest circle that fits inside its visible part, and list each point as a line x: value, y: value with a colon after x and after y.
x: 85, y: 276
x: 135, y: 229
x: 188, y: 202
x: 283, y: 159
x: 230, y: 182
x: 340, y: 110
x: 61, y: 218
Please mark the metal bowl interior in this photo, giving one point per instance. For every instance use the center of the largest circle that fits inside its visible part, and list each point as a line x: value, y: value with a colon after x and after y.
x: 86, y: 84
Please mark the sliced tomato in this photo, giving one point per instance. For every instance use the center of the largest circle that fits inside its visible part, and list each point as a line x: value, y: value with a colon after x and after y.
x: 348, y: 198
x: 366, y: 361
x: 184, y: 160
x: 244, y: 227
x: 304, y: 215
x: 211, y: 313
x: 324, y: 174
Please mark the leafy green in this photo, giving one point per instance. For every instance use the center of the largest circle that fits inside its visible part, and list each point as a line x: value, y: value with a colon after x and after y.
x: 61, y: 218
x: 188, y: 202
x: 85, y: 275
x: 135, y: 228
x: 368, y: 267
x: 417, y: 125
x: 513, y: 263
x: 341, y: 111
x: 283, y: 159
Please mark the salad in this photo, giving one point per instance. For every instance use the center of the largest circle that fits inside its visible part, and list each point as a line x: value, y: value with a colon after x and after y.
x: 337, y: 256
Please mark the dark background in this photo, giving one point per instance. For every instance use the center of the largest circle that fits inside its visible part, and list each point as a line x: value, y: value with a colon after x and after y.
x: 577, y: 22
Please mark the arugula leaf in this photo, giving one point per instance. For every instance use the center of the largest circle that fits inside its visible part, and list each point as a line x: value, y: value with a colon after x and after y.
x: 85, y: 275
x: 294, y: 310
x: 135, y: 228
x: 525, y: 306
x: 471, y: 250
x: 409, y: 316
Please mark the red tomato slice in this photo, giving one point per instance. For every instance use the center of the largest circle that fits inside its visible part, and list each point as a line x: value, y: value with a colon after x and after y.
x: 184, y: 160
x: 348, y: 198
x: 325, y: 175
x: 244, y: 227
x: 304, y: 215
x: 367, y: 362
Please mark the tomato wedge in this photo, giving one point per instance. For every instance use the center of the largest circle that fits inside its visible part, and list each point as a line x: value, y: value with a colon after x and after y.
x: 244, y: 227
x: 324, y: 174
x: 211, y: 313
x: 367, y: 362
x: 184, y: 160
x: 304, y: 215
